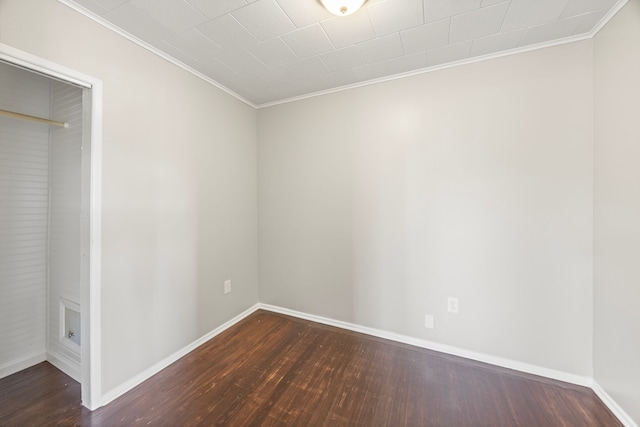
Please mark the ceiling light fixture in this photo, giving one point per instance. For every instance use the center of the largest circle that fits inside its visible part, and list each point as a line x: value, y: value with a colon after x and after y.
x: 342, y: 7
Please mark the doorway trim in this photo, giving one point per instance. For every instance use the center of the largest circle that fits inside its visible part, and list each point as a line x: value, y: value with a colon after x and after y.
x: 91, y: 202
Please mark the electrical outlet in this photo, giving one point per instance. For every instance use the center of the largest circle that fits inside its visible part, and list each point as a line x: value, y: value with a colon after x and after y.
x: 452, y: 305
x: 227, y: 286
x: 428, y: 321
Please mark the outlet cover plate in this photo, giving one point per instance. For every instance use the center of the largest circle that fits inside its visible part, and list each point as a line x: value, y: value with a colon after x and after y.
x: 428, y: 321
x: 452, y: 305
x: 227, y: 286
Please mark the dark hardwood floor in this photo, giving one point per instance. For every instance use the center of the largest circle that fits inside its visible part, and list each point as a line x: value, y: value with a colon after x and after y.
x: 274, y: 370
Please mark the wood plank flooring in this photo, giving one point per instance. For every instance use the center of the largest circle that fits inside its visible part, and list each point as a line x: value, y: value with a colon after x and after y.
x: 275, y: 370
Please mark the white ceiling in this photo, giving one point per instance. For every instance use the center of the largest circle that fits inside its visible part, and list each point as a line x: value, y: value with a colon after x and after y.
x: 271, y: 50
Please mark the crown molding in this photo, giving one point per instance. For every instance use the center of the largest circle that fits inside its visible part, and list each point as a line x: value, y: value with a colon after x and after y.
x: 153, y: 49
x: 612, y: 12
x: 426, y: 70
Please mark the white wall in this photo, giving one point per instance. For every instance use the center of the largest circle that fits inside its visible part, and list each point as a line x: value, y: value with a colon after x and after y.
x: 65, y: 154
x: 378, y: 203
x: 179, y: 188
x: 24, y: 159
x: 617, y: 209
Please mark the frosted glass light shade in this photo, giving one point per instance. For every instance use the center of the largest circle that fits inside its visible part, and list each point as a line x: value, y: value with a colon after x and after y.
x: 342, y: 7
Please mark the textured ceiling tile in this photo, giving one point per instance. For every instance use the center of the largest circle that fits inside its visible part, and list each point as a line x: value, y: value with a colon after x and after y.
x: 428, y: 36
x: 590, y: 21
x: 436, y: 10
x: 371, y: 71
x: 228, y: 33
x: 236, y: 88
x: 277, y: 75
x: 111, y: 4
x: 304, y: 13
x: 176, y: 53
x: 241, y: 61
x: 178, y: 15
x: 218, y: 71
x: 93, y: 6
x: 490, y: 2
x: 450, y: 53
x: 342, y: 59
x: 139, y: 24
x: 308, y: 67
x: 299, y: 88
x: 286, y: 91
x: 308, y: 41
x: 479, y: 23
x: 264, y: 19
x: 407, y: 63
x: 578, y: 7
x: 196, y: 45
x: 214, y: 9
x: 496, y: 43
x: 395, y: 15
x: 526, y: 13
x: 552, y: 31
x: 273, y: 52
x: 348, y: 30
x: 340, y: 78
x: 381, y: 49
x: 265, y: 96
x: 251, y: 83
x: 312, y: 85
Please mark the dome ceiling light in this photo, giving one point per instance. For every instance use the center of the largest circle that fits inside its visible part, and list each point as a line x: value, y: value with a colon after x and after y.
x: 342, y: 7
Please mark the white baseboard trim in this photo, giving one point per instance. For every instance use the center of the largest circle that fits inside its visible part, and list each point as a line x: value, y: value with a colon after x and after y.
x: 147, y: 373
x: 613, y: 405
x: 443, y: 348
x: 25, y: 362
x: 66, y: 365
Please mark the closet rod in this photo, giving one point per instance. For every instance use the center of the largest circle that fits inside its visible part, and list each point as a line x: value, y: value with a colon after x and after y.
x: 33, y: 118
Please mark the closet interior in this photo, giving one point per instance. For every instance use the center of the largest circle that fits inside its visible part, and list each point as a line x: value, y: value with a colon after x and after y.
x: 41, y: 142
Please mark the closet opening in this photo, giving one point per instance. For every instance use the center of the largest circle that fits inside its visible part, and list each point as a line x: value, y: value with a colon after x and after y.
x: 50, y: 158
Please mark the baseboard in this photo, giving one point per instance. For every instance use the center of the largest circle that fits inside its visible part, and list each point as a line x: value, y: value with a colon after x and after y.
x: 18, y: 365
x: 613, y: 405
x: 147, y: 373
x: 443, y: 348
x: 66, y: 365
